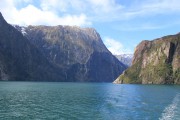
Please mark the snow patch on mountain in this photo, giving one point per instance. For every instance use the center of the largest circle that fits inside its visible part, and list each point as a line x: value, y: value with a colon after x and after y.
x: 125, y: 59
x: 21, y: 29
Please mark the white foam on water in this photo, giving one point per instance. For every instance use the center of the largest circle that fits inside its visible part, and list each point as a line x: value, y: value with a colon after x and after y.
x: 170, y: 110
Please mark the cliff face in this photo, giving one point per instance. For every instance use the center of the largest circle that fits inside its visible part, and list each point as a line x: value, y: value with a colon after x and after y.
x: 20, y: 60
x: 59, y: 53
x: 155, y: 62
x: 79, y: 52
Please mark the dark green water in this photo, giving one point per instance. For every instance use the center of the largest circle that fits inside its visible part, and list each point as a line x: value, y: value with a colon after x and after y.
x: 83, y: 101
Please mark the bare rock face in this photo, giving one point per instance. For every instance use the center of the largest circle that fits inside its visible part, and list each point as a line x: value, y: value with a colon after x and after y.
x: 65, y: 45
x: 59, y: 53
x: 155, y: 62
x: 20, y: 60
x: 78, y: 52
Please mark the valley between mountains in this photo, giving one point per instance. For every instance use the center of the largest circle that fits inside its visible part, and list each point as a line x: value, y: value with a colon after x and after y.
x: 75, y: 54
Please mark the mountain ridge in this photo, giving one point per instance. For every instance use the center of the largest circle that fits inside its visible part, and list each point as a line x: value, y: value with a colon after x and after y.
x: 75, y: 49
x: 155, y: 62
x: 60, y: 53
x: 20, y: 60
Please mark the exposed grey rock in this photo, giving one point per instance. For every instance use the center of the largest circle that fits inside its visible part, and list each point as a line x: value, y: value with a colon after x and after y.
x: 79, y: 52
x: 20, y: 60
x: 59, y: 53
x: 155, y: 62
x: 125, y: 59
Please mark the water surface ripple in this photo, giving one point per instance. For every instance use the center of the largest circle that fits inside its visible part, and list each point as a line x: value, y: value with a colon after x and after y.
x: 90, y: 101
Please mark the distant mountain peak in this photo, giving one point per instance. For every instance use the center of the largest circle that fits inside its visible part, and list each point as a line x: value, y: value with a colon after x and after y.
x: 125, y: 59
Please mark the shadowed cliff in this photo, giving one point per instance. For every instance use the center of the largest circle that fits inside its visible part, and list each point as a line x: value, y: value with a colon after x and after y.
x: 58, y: 53
x: 79, y: 52
x: 20, y: 60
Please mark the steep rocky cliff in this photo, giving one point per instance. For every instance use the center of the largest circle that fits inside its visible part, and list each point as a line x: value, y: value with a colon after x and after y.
x: 20, y: 60
x: 155, y: 62
x: 79, y: 52
x: 59, y: 53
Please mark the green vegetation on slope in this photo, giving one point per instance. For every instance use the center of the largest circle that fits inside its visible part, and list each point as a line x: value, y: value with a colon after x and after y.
x: 155, y: 62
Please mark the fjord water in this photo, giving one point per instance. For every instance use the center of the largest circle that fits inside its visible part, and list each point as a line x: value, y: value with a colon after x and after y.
x: 102, y: 101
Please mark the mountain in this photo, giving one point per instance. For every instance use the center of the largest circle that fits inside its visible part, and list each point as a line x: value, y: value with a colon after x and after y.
x: 20, y: 60
x: 155, y: 62
x: 125, y: 59
x: 55, y: 53
x: 79, y: 52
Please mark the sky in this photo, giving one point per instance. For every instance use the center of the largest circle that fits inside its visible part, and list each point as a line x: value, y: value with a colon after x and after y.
x: 122, y: 24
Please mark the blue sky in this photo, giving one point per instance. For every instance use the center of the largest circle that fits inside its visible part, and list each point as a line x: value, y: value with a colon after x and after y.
x: 122, y: 24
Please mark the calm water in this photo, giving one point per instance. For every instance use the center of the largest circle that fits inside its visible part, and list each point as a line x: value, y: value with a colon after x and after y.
x: 102, y: 101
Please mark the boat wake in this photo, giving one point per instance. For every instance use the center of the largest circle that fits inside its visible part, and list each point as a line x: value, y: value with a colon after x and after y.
x: 170, y: 111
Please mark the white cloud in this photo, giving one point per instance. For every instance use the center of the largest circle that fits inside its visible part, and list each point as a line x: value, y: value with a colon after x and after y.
x: 162, y: 6
x: 54, y: 12
x: 97, y: 6
x: 105, y: 6
x: 115, y: 47
x: 97, y: 10
x: 141, y: 26
x: 153, y: 7
x: 54, y: 5
x: 34, y: 16
x: 110, y: 10
x: 83, y: 12
x: 31, y: 15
